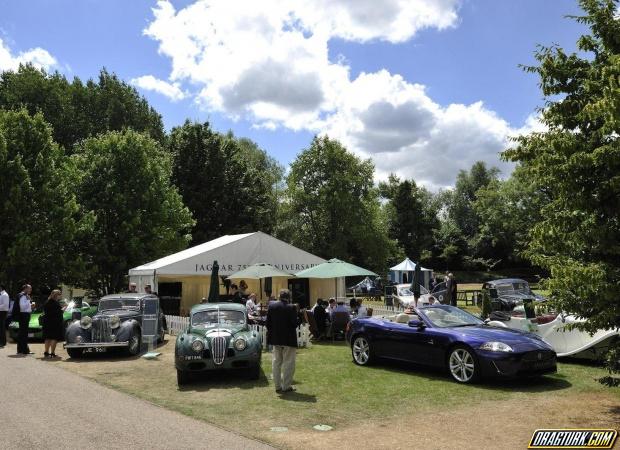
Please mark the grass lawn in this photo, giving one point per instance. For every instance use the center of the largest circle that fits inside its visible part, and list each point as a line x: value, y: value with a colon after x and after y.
x: 332, y: 390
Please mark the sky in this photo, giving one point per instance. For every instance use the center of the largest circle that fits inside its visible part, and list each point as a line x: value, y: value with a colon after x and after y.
x: 422, y: 87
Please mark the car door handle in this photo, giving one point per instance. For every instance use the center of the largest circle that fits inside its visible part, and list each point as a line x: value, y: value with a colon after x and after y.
x: 430, y: 341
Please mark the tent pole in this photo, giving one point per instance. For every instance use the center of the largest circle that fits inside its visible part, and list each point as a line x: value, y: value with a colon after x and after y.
x: 260, y: 284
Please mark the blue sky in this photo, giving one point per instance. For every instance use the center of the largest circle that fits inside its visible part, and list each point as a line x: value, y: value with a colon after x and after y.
x: 417, y: 108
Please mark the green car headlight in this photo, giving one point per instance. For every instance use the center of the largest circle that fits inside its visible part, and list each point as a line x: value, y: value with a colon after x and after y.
x: 198, y: 346
x: 240, y: 344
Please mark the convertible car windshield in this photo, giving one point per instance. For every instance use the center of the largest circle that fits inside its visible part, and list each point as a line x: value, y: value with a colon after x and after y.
x: 446, y: 316
x: 118, y: 303
x: 226, y: 317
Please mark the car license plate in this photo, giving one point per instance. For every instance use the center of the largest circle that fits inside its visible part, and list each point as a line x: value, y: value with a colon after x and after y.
x: 95, y: 350
x: 30, y: 335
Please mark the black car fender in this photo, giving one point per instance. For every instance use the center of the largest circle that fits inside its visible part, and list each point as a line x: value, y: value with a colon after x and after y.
x: 127, y: 329
x: 74, y: 330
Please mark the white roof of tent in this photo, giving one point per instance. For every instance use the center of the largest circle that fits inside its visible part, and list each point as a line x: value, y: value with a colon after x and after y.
x: 407, y: 266
x: 233, y: 253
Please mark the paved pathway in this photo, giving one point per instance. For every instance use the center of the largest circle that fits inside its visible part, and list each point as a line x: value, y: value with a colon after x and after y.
x: 46, y: 407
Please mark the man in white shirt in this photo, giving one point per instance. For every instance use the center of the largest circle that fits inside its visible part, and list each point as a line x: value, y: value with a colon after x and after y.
x: 250, y: 306
x: 4, y: 310
x: 25, y: 309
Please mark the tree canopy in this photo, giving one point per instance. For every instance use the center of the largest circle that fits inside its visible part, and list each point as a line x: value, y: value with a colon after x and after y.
x: 229, y: 184
x: 331, y: 207
x: 39, y: 212
x: 124, y: 180
x: 78, y: 110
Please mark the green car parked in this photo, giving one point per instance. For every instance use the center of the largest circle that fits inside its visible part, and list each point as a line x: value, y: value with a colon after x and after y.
x: 218, y: 338
x: 35, y: 330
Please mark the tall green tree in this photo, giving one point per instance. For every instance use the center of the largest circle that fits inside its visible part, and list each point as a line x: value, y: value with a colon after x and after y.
x: 507, y: 210
x: 411, y: 215
x: 38, y: 210
x: 123, y: 179
x: 229, y: 184
x: 456, y: 240
x: 78, y: 110
x: 332, y: 209
x: 577, y: 162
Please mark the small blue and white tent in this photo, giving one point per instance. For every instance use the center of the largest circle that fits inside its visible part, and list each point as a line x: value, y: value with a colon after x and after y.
x: 403, y: 273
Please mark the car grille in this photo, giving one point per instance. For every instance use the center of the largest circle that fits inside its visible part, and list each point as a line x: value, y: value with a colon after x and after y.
x: 534, y: 361
x: 218, y: 349
x: 537, y: 356
x: 101, y: 330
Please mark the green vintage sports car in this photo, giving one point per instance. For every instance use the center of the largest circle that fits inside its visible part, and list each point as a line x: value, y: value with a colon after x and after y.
x: 35, y: 331
x: 218, y: 338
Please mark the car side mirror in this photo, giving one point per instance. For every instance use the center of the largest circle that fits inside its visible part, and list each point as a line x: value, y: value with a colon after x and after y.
x: 415, y: 323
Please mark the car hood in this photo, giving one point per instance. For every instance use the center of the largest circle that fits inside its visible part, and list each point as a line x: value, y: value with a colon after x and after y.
x: 517, y: 339
x: 209, y: 331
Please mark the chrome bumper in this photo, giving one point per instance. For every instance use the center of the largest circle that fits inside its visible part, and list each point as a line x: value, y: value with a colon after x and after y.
x: 96, y: 344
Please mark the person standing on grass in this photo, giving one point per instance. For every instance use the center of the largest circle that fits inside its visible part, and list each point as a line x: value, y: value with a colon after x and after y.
x: 4, y: 310
x: 451, y: 285
x: 282, y: 322
x: 24, y: 309
x: 53, y: 328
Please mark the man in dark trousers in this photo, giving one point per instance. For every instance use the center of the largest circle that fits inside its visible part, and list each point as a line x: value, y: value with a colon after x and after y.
x: 282, y: 322
x: 4, y: 310
x: 451, y: 286
x: 24, y: 307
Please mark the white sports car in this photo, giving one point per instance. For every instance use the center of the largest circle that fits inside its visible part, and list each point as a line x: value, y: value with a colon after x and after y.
x: 555, y: 330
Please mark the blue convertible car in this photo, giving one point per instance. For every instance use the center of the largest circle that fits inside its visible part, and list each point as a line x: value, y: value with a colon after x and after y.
x: 446, y: 336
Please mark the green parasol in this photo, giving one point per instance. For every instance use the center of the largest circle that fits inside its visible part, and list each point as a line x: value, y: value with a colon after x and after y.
x: 334, y: 268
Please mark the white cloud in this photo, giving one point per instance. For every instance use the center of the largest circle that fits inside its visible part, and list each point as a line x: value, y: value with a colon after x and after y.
x: 268, y: 62
x: 171, y: 90
x: 38, y: 57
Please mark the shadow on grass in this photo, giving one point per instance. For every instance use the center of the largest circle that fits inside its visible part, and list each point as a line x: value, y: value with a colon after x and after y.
x: 540, y: 384
x: 330, y: 343
x: 298, y: 397
x: 222, y: 379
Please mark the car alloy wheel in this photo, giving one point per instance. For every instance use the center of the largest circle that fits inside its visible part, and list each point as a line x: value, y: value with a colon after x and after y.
x: 361, y: 351
x: 462, y: 365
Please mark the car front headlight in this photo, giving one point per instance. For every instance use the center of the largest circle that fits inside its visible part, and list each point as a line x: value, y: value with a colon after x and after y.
x: 115, y: 322
x: 496, y: 347
x: 86, y: 322
x: 240, y: 344
x: 198, y: 346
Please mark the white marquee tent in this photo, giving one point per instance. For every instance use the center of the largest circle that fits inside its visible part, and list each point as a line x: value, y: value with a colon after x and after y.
x: 403, y: 273
x: 192, y: 267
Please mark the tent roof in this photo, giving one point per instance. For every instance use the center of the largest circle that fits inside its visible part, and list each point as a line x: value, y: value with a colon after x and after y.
x: 233, y: 253
x: 407, y: 266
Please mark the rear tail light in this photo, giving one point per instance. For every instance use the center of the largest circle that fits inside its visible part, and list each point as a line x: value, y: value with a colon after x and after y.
x: 348, y: 327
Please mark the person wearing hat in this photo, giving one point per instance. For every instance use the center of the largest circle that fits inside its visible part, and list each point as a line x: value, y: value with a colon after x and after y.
x: 282, y: 322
